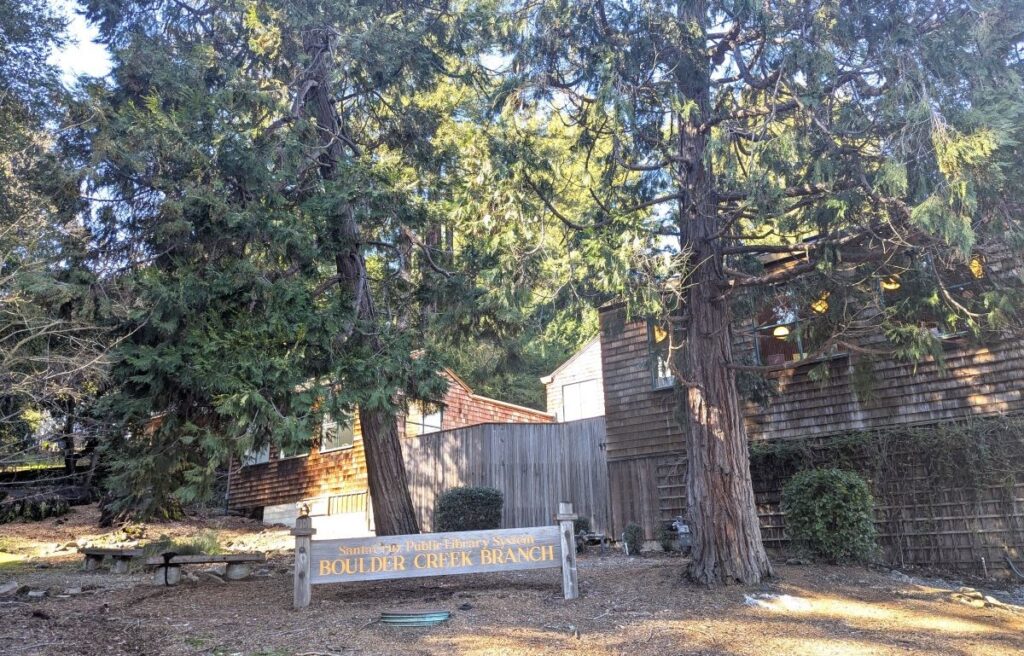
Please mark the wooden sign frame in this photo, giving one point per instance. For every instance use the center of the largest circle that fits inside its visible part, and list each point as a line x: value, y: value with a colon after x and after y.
x: 434, y: 554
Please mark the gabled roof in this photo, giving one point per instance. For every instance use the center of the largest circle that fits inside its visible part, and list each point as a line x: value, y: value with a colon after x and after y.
x: 575, y: 356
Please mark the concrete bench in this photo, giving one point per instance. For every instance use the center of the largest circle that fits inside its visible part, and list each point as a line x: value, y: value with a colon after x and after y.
x: 585, y: 539
x: 168, y: 565
x: 121, y: 557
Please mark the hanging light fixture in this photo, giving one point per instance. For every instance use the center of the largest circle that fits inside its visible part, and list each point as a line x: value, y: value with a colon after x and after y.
x: 891, y: 283
x: 977, y: 267
x: 820, y: 306
x: 782, y: 332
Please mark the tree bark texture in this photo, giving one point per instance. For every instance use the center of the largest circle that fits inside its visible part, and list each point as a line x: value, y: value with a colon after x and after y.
x: 393, y: 511
x: 727, y: 545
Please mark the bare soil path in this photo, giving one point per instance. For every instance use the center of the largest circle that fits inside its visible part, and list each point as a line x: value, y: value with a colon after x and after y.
x: 629, y: 606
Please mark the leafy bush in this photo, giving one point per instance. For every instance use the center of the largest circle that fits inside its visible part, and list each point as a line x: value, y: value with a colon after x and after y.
x: 633, y: 536
x: 581, y: 525
x: 468, y: 509
x: 828, y: 512
x: 667, y: 538
x: 35, y: 508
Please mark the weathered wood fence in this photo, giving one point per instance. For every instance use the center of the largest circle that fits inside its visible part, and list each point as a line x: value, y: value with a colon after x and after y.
x: 534, y: 465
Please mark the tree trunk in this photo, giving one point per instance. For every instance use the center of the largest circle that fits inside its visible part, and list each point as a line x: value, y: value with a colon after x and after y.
x: 727, y: 545
x: 393, y: 511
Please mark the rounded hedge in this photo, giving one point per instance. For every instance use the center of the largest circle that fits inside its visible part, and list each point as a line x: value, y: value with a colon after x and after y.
x: 829, y: 513
x: 468, y: 509
x: 633, y: 536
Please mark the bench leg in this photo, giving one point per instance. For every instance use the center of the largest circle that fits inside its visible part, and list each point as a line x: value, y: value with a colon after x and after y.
x: 92, y: 563
x: 237, y: 571
x: 120, y: 565
x: 167, y: 575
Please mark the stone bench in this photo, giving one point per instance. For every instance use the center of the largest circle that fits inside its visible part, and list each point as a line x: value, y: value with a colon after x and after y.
x: 121, y: 557
x: 168, y: 566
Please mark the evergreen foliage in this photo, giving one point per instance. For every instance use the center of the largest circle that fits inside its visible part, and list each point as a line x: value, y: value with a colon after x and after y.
x: 468, y: 509
x: 830, y: 513
x: 633, y: 538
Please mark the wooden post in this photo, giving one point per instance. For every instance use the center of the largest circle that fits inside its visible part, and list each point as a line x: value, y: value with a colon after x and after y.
x: 567, y: 532
x: 303, y: 533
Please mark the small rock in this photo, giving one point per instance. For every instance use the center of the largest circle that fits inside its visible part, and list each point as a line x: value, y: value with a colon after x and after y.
x: 465, y: 606
x: 992, y: 601
x: 41, y: 614
x: 9, y: 588
x: 36, y: 594
x: 72, y: 591
x: 970, y: 592
x: 42, y: 565
x: 213, y: 576
x: 797, y: 561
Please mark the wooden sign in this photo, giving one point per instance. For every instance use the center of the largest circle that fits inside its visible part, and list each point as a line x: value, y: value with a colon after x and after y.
x: 433, y: 554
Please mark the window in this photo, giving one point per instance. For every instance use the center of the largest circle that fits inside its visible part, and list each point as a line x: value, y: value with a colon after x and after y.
x: 335, y: 436
x: 913, y: 292
x: 782, y: 334
x: 419, y: 421
x: 662, y: 350
x: 580, y: 400
x: 294, y: 450
x: 256, y: 456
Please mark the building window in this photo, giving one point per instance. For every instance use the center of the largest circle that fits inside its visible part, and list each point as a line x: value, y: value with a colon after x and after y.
x: 581, y: 400
x: 296, y: 450
x: 421, y: 421
x: 661, y: 348
x: 256, y: 456
x: 335, y: 436
x: 777, y: 336
x: 913, y: 292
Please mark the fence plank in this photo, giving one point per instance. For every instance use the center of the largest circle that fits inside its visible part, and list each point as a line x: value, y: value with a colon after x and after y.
x: 534, y: 465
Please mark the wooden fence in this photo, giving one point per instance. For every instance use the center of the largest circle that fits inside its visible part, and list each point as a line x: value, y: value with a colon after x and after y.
x: 534, y: 465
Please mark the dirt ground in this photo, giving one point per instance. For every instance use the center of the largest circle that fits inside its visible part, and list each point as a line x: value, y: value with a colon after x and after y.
x: 628, y: 606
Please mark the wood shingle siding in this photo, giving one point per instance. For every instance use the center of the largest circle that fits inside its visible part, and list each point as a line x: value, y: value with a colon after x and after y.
x: 343, y: 471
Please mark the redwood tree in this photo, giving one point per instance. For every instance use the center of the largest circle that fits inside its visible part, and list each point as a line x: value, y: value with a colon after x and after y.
x: 851, y: 143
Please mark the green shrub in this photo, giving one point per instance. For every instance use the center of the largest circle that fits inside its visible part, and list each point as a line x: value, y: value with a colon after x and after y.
x: 828, y: 513
x: 667, y: 538
x: 468, y: 509
x: 633, y: 536
x: 581, y: 525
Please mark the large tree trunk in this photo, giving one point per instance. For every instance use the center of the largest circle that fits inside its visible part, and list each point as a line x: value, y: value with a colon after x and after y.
x: 727, y: 544
x: 393, y: 511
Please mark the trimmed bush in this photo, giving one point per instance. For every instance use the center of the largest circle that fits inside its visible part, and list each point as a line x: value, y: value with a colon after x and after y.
x: 828, y: 513
x: 667, y: 539
x: 468, y: 509
x: 633, y: 536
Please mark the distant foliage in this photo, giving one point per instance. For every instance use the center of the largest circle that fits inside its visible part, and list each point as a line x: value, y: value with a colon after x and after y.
x: 828, y: 512
x: 33, y: 509
x: 206, y: 543
x: 633, y: 536
x: 468, y: 509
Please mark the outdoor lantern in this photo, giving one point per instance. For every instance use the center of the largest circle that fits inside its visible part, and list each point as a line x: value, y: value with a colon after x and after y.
x: 977, y: 267
x: 891, y: 283
x: 782, y: 332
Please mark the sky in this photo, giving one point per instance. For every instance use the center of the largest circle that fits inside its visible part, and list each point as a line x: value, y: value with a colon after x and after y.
x: 82, y: 55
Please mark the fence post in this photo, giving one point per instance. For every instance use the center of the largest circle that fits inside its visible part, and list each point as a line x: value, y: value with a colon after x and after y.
x: 567, y: 531
x: 303, y: 533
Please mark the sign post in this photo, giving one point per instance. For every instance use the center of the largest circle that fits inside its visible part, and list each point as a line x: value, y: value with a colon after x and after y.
x: 566, y: 519
x: 434, y: 554
x: 303, y: 533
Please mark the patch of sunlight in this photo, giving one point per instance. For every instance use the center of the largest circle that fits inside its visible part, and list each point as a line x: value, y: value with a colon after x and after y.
x: 828, y: 647
x: 866, y: 615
